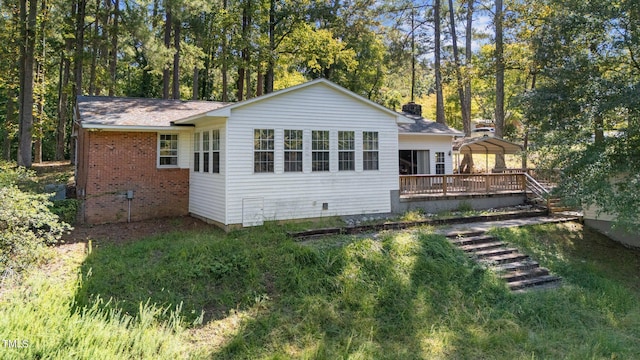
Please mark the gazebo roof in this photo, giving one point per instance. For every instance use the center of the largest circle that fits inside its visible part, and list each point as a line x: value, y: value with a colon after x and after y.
x: 485, y: 145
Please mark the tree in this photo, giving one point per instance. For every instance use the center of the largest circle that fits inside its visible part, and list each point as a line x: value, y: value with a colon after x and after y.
x: 25, y: 102
x: 585, y: 108
x: 499, y: 66
x: 437, y: 70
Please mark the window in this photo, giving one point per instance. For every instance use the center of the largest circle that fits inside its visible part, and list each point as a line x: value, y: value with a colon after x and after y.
x: 370, y: 150
x: 168, y: 150
x: 439, y: 162
x: 215, y: 151
x: 196, y: 152
x: 319, y: 150
x: 293, y: 150
x: 263, y: 148
x: 205, y: 151
x: 346, y: 150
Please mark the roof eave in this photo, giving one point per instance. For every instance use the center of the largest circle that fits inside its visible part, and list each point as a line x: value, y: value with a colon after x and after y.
x: 137, y: 128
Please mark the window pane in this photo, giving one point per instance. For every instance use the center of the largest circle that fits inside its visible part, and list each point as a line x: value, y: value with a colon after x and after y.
x: 263, y: 142
x: 320, y: 153
x: 215, y: 162
x: 205, y: 141
x: 370, y: 160
x: 215, y: 140
x: 168, y: 152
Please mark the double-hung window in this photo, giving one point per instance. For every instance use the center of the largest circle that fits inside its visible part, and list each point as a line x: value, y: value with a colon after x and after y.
x: 370, y: 150
x: 439, y: 162
x: 196, y: 152
x: 168, y: 150
x: 293, y: 150
x: 263, y: 150
x: 215, y: 151
x: 346, y: 150
x: 320, y: 150
x: 205, y: 151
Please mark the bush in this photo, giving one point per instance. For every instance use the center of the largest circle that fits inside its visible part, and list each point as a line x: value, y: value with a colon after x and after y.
x: 27, y: 224
x: 66, y: 210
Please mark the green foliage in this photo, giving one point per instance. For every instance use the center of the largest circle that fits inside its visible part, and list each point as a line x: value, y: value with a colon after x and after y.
x: 66, y: 210
x: 588, y: 125
x: 382, y: 296
x: 26, y: 223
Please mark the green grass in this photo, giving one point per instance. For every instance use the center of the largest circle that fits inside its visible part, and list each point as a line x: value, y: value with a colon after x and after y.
x: 393, y: 295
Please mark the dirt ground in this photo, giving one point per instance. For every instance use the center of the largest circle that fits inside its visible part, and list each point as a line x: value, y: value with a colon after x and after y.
x: 124, y: 232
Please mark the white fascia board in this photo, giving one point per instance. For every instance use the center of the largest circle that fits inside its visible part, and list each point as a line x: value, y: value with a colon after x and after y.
x: 135, y: 128
x: 226, y: 111
x: 428, y: 134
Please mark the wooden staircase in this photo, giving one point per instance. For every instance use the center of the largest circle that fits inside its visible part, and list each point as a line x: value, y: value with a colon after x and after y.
x: 540, y: 193
x: 519, y: 271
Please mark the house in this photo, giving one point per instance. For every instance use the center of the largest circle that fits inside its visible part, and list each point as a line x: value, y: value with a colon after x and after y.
x: 308, y: 151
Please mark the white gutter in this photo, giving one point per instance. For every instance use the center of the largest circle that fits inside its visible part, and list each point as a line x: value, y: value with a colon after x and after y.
x: 134, y: 127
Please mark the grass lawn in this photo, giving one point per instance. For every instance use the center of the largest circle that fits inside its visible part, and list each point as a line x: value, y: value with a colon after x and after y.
x: 255, y: 293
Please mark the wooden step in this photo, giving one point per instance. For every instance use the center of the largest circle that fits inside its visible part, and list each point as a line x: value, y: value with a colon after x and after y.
x: 482, y: 246
x: 485, y: 254
x: 472, y: 240
x: 513, y: 276
x: 534, y: 282
x: 516, y: 265
x: 463, y: 234
x: 506, y: 258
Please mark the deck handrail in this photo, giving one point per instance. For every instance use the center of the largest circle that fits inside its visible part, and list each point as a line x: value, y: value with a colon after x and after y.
x: 461, y: 183
x: 538, y: 189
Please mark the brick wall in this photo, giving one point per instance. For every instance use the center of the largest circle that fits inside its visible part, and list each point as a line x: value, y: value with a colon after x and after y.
x: 115, y: 162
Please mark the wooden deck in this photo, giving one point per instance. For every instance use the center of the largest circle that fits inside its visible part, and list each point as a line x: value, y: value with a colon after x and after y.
x: 462, y: 184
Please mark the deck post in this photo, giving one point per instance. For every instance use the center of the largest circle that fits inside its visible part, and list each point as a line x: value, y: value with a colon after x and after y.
x: 487, y: 178
x: 444, y: 184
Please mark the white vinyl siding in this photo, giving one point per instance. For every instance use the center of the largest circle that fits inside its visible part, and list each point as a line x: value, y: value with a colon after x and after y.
x: 433, y: 143
x: 207, y: 196
x: 291, y: 195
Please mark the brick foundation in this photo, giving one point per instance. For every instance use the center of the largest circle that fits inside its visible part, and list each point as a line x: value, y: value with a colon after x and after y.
x: 111, y: 163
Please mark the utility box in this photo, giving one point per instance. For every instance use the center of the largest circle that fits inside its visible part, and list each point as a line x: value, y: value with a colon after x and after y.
x: 129, y: 194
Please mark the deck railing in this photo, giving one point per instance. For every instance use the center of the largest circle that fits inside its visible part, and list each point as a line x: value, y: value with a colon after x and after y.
x: 461, y: 184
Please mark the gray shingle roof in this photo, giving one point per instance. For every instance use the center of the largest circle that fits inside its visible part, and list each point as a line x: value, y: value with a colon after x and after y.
x: 423, y: 126
x: 115, y: 111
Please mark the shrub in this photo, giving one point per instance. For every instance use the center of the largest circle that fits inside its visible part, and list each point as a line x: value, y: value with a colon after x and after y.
x: 27, y: 224
x: 66, y: 210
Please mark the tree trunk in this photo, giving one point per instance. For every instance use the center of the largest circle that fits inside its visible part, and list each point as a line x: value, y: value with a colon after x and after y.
x: 247, y: 51
x: 196, y: 83
x: 27, y: 49
x: 467, y: 161
x: 166, y: 72
x: 9, y: 119
x: 438, y: 75
x: 113, y: 62
x: 260, y: 82
x: 63, y: 97
x: 225, y: 69
x: 499, y: 113
x: 94, y: 51
x: 466, y: 117
x: 176, y: 61
x: 270, y: 73
x: 79, y: 55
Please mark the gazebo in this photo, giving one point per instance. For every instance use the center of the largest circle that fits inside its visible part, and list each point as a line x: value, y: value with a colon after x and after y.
x: 487, y: 145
